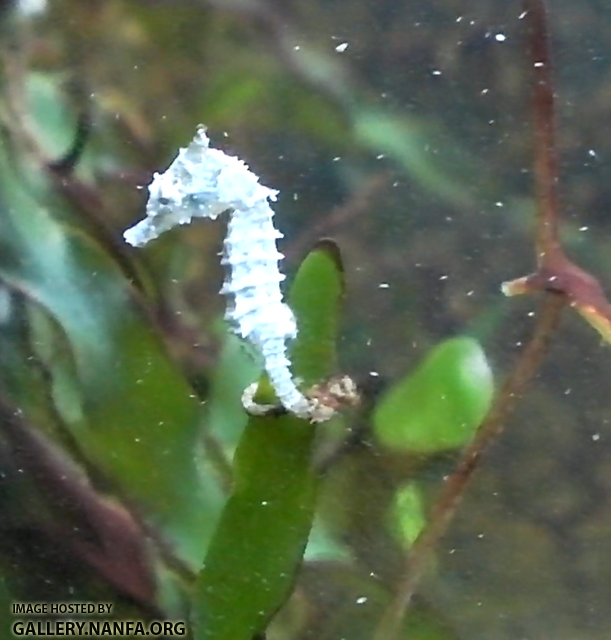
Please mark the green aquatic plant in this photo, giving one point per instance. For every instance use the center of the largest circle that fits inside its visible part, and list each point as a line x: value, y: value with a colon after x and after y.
x: 132, y: 473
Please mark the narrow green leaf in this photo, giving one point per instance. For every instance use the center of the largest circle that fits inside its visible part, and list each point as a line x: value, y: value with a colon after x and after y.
x: 314, y: 298
x: 258, y: 545
x: 441, y: 404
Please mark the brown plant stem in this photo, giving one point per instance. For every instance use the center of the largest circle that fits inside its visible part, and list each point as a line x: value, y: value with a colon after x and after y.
x: 555, y: 271
x: 556, y: 275
x: 544, y: 137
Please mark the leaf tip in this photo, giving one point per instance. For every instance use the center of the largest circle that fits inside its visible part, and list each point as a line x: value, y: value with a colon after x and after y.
x: 331, y: 249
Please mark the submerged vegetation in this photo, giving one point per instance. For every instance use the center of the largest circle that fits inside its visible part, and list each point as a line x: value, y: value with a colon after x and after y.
x: 129, y: 471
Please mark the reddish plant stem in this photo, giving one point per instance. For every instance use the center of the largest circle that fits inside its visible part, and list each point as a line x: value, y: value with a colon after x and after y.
x: 555, y: 273
x: 544, y: 137
x: 456, y: 485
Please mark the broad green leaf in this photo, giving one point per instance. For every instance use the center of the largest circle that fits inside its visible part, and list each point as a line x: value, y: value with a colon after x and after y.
x: 139, y: 419
x: 441, y: 404
x: 257, y: 547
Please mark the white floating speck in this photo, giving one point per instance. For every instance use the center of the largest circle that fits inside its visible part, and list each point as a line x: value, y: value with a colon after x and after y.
x: 341, y: 47
x: 500, y: 37
x: 361, y: 600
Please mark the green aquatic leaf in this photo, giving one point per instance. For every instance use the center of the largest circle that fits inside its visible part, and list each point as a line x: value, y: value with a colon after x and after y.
x: 259, y: 543
x: 130, y: 409
x: 441, y: 404
x: 315, y: 296
x: 407, y: 514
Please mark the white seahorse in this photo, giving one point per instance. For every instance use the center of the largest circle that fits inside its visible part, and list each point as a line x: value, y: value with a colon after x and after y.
x: 203, y: 182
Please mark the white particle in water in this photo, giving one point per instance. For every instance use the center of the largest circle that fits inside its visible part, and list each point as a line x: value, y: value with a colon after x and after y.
x: 583, y: 228
x: 436, y: 72
x: 361, y: 600
x: 500, y: 37
x: 341, y: 47
x: 596, y: 437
